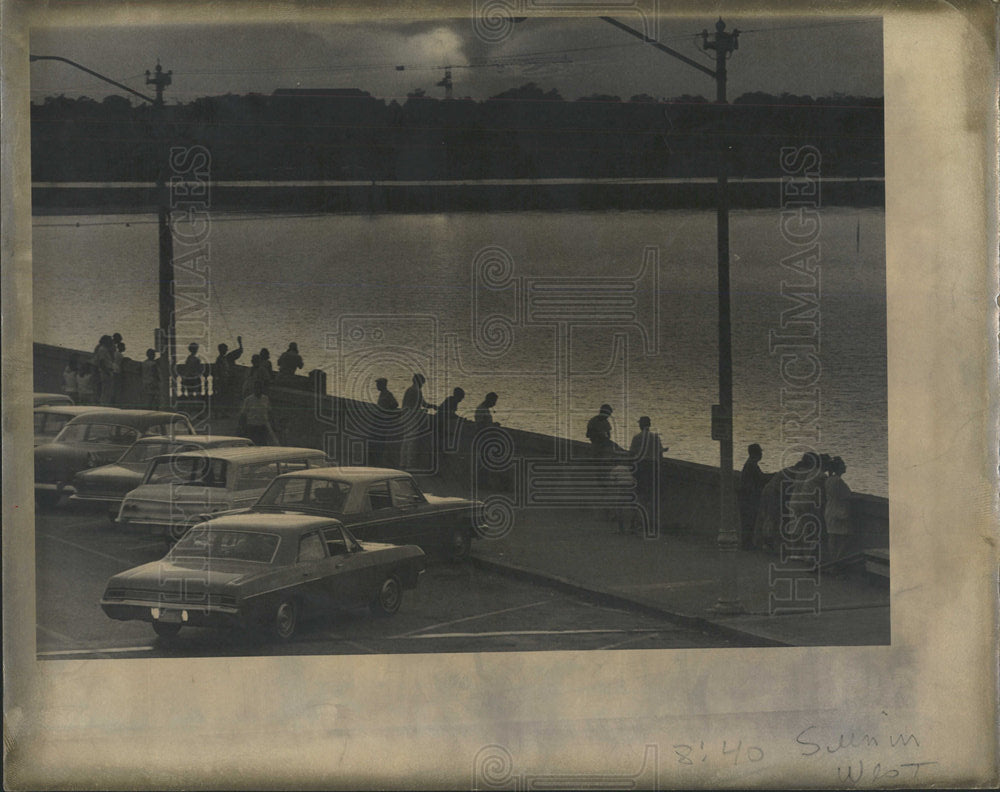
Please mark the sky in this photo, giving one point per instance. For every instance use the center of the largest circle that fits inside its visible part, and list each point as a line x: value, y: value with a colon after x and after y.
x: 578, y: 57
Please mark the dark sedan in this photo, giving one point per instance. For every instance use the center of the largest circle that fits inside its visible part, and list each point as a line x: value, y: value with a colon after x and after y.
x: 379, y: 504
x: 262, y: 571
x: 94, y: 439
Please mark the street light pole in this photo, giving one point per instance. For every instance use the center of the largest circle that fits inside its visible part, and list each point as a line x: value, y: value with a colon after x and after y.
x: 723, y: 43
x: 728, y: 538
x: 168, y: 328
x: 166, y: 244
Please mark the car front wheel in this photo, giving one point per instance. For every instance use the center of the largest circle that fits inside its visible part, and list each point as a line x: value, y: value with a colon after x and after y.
x: 389, y: 596
x: 459, y: 544
x: 285, y: 620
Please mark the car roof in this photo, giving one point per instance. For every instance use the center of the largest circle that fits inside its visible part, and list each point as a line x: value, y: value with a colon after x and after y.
x: 68, y: 409
x: 250, y: 453
x: 128, y: 417
x: 353, y: 474
x: 196, y: 439
x: 57, y: 398
x: 271, y: 523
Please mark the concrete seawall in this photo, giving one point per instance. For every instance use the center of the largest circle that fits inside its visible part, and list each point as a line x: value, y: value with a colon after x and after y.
x: 524, y: 470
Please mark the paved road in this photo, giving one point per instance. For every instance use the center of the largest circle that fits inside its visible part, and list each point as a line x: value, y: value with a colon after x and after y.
x: 456, y: 608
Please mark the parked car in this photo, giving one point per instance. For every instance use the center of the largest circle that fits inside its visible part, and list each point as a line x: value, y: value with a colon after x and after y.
x: 109, y: 484
x: 179, y: 489
x: 51, y: 418
x: 378, y: 504
x: 94, y: 439
x: 51, y: 398
x: 263, y: 571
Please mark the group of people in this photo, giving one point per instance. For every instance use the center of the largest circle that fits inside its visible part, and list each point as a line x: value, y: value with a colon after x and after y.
x: 97, y: 379
x: 800, y: 506
x: 193, y: 371
x: 402, y: 431
x: 644, y: 453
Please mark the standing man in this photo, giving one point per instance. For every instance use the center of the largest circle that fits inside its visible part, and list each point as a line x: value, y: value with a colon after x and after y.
x: 149, y: 371
x: 223, y: 374
x: 752, y: 481
x: 385, y: 445
x: 599, y: 433
x: 104, y: 363
x: 255, y: 417
x: 191, y: 376
x: 414, y: 420
x: 647, y: 451
x: 117, y: 355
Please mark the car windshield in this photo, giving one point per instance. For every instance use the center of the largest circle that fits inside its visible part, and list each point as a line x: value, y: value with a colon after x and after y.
x: 110, y: 434
x: 235, y: 545
x: 50, y: 423
x: 306, y: 493
x: 145, y: 451
x: 191, y: 471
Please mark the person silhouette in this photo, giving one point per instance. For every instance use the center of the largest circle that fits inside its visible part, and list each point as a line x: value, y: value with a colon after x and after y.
x: 599, y: 433
x: 192, y: 372
x: 839, y: 527
x: 414, y: 422
x: 484, y: 412
x: 385, y: 443
x: 223, y: 373
x: 290, y: 361
x: 647, y: 450
x: 752, y: 482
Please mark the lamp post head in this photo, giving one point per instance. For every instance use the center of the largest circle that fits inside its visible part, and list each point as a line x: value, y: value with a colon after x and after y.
x: 720, y: 25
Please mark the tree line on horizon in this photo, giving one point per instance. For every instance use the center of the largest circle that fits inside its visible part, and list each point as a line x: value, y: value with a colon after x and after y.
x: 526, y: 132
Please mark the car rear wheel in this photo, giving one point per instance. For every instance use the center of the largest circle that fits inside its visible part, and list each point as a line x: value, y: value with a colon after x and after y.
x: 166, y: 630
x: 177, y: 530
x: 389, y: 596
x: 285, y: 620
x: 47, y: 499
x: 459, y: 544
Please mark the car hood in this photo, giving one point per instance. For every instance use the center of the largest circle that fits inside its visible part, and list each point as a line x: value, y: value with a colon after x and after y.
x: 196, y: 574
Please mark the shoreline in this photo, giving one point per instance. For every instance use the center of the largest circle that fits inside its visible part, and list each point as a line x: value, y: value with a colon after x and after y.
x: 421, y: 197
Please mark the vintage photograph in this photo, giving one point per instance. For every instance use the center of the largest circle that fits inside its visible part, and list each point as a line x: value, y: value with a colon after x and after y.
x: 483, y: 334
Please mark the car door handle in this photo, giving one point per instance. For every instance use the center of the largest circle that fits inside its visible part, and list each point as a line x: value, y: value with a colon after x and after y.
x: 339, y: 564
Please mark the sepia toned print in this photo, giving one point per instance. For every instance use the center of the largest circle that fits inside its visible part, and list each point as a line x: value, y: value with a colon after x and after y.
x: 471, y: 341
x: 627, y: 287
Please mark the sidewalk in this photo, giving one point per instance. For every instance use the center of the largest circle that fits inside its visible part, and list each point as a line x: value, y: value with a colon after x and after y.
x: 678, y: 575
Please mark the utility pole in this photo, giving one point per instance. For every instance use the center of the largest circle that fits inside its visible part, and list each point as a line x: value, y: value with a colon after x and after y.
x: 723, y: 43
x: 168, y: 329
x: 166, y: 243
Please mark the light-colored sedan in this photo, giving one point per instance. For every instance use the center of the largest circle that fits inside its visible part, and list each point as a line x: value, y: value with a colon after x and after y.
x: 109, y: 484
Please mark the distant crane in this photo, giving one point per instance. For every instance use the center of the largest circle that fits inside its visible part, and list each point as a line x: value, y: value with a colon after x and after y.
x: 445, y: 82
